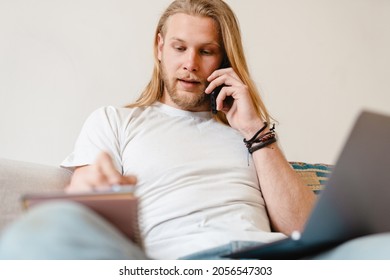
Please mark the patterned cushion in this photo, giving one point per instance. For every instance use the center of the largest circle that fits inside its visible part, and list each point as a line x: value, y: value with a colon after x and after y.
x: 314, y: 175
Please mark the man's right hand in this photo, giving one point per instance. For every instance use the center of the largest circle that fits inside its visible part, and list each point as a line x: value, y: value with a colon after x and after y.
x: 98, y: 177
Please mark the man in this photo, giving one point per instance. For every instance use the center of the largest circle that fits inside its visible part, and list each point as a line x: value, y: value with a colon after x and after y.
x: 200, y: 185
x: 175, y: 163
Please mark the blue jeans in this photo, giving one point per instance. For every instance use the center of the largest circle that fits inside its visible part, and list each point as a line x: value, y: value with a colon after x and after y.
x: 64, y: 230
x: 217, y: 253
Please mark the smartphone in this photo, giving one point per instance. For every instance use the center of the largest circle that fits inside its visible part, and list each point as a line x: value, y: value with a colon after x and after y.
x: 213, y: 98
x: 215, y: 92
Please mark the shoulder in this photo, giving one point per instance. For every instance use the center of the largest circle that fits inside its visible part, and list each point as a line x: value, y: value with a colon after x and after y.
x: 113, y: 113
x: 118, y: 116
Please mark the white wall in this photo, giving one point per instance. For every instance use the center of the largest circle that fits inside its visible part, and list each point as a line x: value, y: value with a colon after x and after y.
x: 318, y: 63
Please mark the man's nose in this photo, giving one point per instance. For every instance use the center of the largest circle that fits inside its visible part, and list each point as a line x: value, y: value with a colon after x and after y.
x: 191, y: 62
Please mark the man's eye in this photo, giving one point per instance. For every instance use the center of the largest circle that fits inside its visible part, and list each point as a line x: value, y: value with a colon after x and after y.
x: 206, y: 52
x: 180, y: 49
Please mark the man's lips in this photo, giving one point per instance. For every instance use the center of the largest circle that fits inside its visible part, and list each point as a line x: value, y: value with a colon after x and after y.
x: 189, y: 83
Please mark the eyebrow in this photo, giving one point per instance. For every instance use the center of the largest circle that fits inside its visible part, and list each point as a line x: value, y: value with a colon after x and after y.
x: 203, y: 44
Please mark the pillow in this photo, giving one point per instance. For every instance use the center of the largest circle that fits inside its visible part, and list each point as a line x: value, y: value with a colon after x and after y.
x: 314, y: 175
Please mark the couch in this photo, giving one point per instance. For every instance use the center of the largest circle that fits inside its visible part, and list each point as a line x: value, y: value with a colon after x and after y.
x: 18, y: 178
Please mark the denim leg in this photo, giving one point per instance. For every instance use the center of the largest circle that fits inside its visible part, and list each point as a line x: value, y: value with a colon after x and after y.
x: 217, y: 252
x: 65, y: 230
x: 370, y: 247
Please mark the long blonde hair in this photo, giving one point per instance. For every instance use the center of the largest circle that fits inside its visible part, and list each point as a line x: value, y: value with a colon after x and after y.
x: 232, y: 43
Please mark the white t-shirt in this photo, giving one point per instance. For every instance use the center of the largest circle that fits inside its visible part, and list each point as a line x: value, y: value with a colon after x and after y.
x: 196, y: 185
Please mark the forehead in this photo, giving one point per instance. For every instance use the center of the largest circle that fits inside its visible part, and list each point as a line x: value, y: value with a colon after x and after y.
x: 192, y: 28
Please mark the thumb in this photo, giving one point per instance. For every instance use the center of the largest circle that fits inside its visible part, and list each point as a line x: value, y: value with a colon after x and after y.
x: 128, y: 180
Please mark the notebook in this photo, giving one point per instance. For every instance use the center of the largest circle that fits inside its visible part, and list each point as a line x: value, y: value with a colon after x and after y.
x: 118, y: 207
x: 355, y: 201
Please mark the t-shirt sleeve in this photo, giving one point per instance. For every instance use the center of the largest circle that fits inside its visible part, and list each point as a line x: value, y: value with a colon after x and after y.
x: 100, y: 132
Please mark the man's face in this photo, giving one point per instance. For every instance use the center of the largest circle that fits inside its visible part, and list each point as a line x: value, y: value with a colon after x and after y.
x: 189, y: 52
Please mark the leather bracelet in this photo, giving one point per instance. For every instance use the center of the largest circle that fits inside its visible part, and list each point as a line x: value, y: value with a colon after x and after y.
x: 262, y: 144
x: 265, y: 137
x: 249, y: 143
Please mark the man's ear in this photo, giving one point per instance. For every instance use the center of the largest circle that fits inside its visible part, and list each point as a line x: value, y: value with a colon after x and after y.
x: 160, y: 45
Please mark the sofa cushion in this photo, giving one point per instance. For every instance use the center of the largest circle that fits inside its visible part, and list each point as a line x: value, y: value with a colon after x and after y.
x: 313, y: 175
x: 18, y: 178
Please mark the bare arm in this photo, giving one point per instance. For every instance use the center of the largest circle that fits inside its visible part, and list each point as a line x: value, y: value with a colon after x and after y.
x: 99, y: 176
x: 288, y: 201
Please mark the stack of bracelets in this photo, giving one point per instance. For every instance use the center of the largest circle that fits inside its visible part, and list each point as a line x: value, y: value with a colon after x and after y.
x: 258, y: 141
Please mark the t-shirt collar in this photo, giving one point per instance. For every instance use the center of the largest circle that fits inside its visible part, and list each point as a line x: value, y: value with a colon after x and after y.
x: 172, y: 111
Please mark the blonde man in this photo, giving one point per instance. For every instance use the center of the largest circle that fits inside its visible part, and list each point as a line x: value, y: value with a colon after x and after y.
x: 200, y: 185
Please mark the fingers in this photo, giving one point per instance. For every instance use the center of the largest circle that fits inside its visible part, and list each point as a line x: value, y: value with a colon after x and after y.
x: 99, y: 176
x: 225, y: 77
x: 234, y: 99
x: 232, y: 86
x: 126, y: 180
x: 106, y: 169
x: 224, y: 104
x: 236, y: 92
x: 109, y: 175
x: 221, y: 72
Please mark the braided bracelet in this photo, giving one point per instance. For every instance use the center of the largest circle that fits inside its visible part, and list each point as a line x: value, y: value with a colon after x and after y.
x: 264, y: 140
x: 249, y: 143
x: 262, y: 145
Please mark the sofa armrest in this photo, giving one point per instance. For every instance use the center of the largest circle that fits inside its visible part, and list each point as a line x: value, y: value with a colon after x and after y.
x: 18, y: 178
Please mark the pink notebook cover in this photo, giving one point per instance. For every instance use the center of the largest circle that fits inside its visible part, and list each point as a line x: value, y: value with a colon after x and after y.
x: 118, y: 208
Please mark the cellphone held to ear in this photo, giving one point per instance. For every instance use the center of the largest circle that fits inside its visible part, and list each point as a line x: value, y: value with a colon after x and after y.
x: 213, y: 98
x: 214, y: 94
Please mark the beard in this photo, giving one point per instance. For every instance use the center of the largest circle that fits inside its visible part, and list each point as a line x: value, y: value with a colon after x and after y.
x: 186, y: 100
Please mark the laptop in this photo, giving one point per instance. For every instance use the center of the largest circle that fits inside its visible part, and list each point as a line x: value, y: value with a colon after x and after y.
x: 355, y: 201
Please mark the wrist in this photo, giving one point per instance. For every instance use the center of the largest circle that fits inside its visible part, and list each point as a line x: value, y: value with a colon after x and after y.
x: 264, y: 137
x: 252, y: 128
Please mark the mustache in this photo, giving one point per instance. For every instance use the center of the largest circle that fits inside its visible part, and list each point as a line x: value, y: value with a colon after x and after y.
x: 191, y: 78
